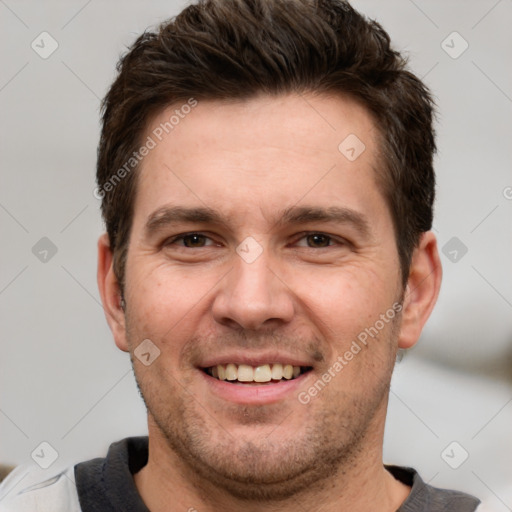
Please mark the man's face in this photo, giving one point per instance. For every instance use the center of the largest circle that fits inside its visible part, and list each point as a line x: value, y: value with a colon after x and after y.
x: 276, y: 249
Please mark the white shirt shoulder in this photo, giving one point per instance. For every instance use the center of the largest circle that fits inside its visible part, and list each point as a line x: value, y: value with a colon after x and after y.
x: 26, y: 491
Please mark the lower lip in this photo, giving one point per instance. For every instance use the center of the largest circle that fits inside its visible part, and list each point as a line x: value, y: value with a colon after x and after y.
x: 259, y: 394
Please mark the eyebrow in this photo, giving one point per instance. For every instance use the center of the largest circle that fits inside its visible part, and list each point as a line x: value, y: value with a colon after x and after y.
x: 167, y: 215
x: 341, y: 215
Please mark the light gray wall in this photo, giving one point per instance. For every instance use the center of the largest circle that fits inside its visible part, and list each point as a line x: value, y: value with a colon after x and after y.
x: 62, y: 379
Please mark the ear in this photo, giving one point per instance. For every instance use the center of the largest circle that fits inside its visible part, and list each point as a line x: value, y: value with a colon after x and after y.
x: 110, y: 293
x: 421, y: 291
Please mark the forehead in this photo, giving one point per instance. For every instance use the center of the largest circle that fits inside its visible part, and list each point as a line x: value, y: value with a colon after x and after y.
x: 265, y: 153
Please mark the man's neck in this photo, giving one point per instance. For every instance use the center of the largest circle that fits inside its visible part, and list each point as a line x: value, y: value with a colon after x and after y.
x: 363, y: 486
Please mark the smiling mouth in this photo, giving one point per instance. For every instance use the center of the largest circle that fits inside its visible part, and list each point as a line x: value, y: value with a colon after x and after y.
x: 262, y: 374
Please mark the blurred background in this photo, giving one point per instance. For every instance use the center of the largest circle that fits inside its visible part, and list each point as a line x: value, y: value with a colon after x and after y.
x: 63, y: 381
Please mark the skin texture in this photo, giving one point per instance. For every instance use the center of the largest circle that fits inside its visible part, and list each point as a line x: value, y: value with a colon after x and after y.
x: 303, y: 297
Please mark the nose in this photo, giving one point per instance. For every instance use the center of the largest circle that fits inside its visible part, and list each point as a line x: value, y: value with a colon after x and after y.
x: 253, y: 297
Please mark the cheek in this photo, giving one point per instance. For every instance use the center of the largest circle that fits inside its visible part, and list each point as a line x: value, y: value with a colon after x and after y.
x: 344, y: 300
x: 162, y: 303
x: 169, y: 305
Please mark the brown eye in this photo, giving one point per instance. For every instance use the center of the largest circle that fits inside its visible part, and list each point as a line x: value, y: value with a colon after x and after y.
x: 194, y: 240
x: 317, y: 240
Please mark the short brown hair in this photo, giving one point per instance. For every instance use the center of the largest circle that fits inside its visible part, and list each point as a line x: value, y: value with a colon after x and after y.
x: 237, y: 49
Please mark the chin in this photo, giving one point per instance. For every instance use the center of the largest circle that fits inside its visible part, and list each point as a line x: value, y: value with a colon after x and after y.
x: 258, y: 463
x: 261, y: 471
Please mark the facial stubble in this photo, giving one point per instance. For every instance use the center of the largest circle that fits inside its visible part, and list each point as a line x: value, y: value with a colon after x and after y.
x: 270, y: 467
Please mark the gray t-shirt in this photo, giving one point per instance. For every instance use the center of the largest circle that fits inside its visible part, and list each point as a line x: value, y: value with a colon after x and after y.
x: 107, y: 484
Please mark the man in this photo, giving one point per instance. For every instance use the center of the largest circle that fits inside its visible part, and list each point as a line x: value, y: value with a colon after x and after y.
x: 265, y: 170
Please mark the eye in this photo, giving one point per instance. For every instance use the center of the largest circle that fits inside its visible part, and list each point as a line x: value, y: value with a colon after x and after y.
x: 191, y: 240
x: 315, y: 240
x: 194, y: 240
x: 318, y: 240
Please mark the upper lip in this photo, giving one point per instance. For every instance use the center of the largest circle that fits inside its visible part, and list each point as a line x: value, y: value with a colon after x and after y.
x: 255, y: 359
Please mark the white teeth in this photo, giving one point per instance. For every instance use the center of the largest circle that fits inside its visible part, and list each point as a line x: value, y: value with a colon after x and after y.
x: 247, y: 373
x: 263, y: 373
x: 277, y: 371
x: 288, y: 371
x: 231, y: 372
